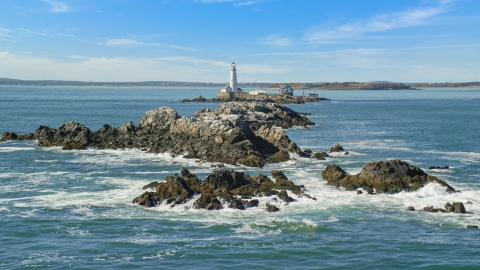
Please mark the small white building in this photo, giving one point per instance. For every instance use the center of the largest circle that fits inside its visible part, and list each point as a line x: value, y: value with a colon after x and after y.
x: 258, y: 92
x: 226, y: 88
x: 285, y: 90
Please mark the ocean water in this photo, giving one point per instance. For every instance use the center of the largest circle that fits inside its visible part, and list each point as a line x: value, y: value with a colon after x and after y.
x: 72, y: 209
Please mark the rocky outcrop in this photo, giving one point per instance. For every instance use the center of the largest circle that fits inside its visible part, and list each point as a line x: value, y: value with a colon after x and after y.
x: 250, y: 134
x: 337, y: 148
x: 270, y: 98
x: 455, y: 207
x: 320, y: 155
x: 223, y: 188
x: 383, y: 176
x: 70, y: 136
x: 8, y: 136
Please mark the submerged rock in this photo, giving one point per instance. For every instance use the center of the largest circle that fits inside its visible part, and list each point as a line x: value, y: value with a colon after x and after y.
x: 219, y: 190
x: 438, y: 167
x: 384, y: 176
x: 250, y: 134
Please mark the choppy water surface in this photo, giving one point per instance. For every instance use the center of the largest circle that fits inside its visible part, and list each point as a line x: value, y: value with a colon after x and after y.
x: 64, y: 209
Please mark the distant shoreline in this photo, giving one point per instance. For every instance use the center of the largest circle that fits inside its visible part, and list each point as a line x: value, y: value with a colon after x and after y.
x: 263, y: 85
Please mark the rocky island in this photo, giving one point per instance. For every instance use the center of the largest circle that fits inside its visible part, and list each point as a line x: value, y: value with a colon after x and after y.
x: 389, y: 177
x: 267, y: 98
x: 250, y: 134
x: 221, y: 189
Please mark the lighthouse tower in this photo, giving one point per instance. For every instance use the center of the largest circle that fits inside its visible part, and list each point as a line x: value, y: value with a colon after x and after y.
x: 232, y: 88
x: 233, y: 78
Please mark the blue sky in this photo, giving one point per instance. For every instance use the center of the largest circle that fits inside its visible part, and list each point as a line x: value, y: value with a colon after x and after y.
x: 270, y: 40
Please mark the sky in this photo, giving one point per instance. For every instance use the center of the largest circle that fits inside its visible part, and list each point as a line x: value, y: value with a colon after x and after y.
x: 269, y: 40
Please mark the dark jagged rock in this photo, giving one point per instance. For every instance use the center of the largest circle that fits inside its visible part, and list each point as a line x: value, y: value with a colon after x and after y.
x: 228, y: 179
x: 337, y: 148
x: 146, y: 199
x: 279, y: 175
x: 253, y: 203
x: 280, y: 156
x: 151, y: 185
x: 449, y: 207
x: 8, y: 136
x: 410, y: 208
x: 272, y: 208
x: 320, y: 155
x: 384, y: 176
x: 283, y: 195
x: 438, y: 167
x: 472, y: 227
x: 219, y: 190
x: 250, y: 134
x: 431, y: 209
x: 71, y: 135
x: 208, y: 202
x: 456, y: 207
x: 260, y: 179
x: 199, y: 99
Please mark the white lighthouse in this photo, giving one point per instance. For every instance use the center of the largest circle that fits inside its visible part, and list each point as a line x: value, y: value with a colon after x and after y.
x: 233, y: 77
x: 233, y: 88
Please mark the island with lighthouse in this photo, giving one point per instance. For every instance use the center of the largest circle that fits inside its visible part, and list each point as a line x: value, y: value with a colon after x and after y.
x: 232, y: 92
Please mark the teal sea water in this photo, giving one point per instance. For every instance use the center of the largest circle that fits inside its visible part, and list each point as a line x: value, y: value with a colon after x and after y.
x: 72, y: 209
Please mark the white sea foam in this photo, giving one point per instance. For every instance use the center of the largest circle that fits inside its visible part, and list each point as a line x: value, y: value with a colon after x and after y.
x: 13, y: 149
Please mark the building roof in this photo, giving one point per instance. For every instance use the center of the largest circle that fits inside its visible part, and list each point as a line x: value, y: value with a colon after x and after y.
x: 259, y: 91
x: 284, y: 85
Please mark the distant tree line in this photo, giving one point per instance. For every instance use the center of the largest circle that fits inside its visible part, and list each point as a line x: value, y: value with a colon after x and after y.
x: 380, y: 85
x: 5, y: 81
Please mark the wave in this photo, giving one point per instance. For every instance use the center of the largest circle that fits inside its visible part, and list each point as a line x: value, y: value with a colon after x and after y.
x: 14, y: 149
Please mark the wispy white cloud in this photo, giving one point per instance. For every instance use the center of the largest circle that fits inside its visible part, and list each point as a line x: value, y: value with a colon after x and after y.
x: 183, y: 48
x: 6, y: 34
x: 56, y: 6
x: 364, y: 50
x: 379, y: 23
x: 275, y: 40
x: 125, y: 42
x: 246, y: 3
x: 33, y: 32
x: 214, y: 1
x: 238, y: 3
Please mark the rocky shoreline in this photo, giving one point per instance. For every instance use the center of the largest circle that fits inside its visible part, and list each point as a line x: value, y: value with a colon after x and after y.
x: 237, y: 133
x: 270, y: 98
x: 250, y: 134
